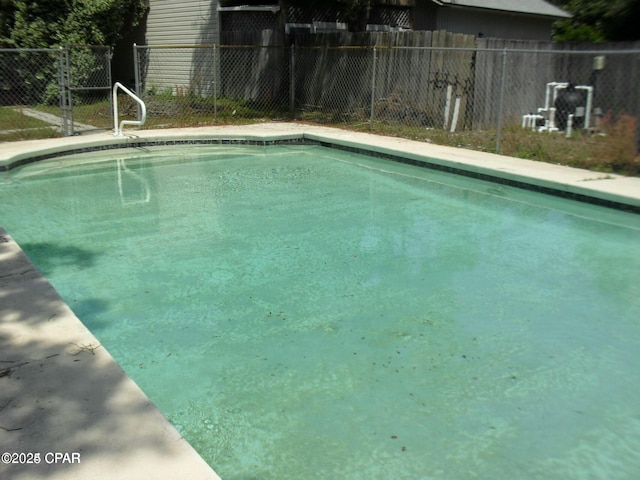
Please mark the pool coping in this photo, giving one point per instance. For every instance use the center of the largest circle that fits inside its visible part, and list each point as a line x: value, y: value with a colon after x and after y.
x: 62, y: 392
x: 611, y: 190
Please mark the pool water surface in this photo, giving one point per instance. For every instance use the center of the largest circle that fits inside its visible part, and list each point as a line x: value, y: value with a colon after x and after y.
x: 303, y: 312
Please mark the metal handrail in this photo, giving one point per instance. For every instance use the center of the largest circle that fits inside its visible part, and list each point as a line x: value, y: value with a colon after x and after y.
x: 143, y: 108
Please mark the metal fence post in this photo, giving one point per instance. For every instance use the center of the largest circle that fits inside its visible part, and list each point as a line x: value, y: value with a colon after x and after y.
x: 63, y: 92
x: 501, y: 99
x: 216, y: 65
x: 109, y: 58
x: 136, y: 76
x: 292, y: 82
x: 69, y: 83
x: 373, y: 83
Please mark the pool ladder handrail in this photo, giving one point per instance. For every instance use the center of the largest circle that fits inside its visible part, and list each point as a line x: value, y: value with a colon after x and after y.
x: 143, y: 109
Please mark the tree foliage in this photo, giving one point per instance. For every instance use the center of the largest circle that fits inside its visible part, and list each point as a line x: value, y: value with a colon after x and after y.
x: 55, y: 23
x: 7, y: 10
x: 50, y: 23
x: 599, y: 20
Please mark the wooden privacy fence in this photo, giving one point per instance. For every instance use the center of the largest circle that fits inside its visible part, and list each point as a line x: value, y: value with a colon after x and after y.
x: 435, y: 78
x: 519, y: 72
x: 432, y: 79
x: 409, y: 77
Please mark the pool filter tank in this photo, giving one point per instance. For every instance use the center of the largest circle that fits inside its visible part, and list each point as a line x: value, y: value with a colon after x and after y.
x: 569, y: 102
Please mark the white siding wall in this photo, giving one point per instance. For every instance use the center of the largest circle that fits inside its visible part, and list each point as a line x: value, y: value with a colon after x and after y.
x: 496, y: 25
x: 181, y: 22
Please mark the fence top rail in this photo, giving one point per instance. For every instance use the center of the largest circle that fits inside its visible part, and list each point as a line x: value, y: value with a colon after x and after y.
x: 18, y: 49
x: 84, y: 45
x: 400, y: 47
x: 59, y: 49
x: 211, y: 45
x: 151, y: 47
x: 567, y: 52
x: 474, y: 49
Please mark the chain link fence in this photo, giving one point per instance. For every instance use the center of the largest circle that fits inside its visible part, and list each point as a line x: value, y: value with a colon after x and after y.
x: 462, y: 89
x: 575, y: 107
x: 502, y: 100
x: 201, y: 85
x: 29, y: 77
x: 453, y: 89
x: 53, y: 92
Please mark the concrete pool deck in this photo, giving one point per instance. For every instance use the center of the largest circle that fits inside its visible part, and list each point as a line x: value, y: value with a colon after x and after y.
x: 607, y: 187
x: 61, y: 392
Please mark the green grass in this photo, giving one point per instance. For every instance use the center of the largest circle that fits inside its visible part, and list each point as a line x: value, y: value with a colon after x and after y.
x: 16, y: 126
x: 97, y: 114
x: 612, y: 150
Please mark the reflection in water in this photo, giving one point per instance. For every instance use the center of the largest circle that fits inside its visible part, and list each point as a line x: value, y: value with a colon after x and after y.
x: 133, y: 188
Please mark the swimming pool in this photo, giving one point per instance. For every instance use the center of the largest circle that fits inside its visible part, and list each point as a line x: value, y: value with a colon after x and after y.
x: 300, y: 312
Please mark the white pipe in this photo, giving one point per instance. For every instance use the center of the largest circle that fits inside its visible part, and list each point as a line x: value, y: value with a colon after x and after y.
x: 530, y: 120
x: 587, y: 113
x: 551, y: 94
x: 552, y: 120
x: 560, y: 86
x: 550, y: 124
x: 551, y: 86
x: 447, y: 106
x: 569, y: 125
x: 546, y: 98
x: 456, y: 111
x: 118, y: 131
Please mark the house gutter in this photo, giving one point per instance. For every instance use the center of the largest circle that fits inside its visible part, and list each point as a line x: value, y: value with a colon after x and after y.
x: 251, y: 8
x: 455, y: 4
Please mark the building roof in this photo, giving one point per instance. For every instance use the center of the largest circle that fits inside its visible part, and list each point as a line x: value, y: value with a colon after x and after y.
x: 529, y: 7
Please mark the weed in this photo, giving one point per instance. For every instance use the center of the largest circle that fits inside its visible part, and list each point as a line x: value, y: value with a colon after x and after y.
x: 612, y: 149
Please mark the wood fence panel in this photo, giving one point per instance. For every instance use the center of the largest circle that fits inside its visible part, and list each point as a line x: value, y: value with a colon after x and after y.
x: 531, y: 65
x: 461, y: 71
x: 419, y: 75
x: 254, y: 66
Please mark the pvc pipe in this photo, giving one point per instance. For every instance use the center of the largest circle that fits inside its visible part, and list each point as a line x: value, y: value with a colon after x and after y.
x: 551, y: 127
x: 447, y: 106
x: 551, y: 86
x: 559, y: 86
x: 587, y: 113
x: 547, y: 93
x: 551, y: 94
x: 456, y: 111
x: 569, y: 125
x: 530, y: 120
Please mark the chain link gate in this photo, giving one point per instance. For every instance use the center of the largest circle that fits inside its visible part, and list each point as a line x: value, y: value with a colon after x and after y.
x: 47, y: 92
x: 86, y: 84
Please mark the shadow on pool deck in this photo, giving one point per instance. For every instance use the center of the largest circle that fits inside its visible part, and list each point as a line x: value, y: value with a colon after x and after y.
x: 60, y: 391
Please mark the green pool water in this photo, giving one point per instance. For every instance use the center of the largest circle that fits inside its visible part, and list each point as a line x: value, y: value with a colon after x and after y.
x: 300, y: 312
